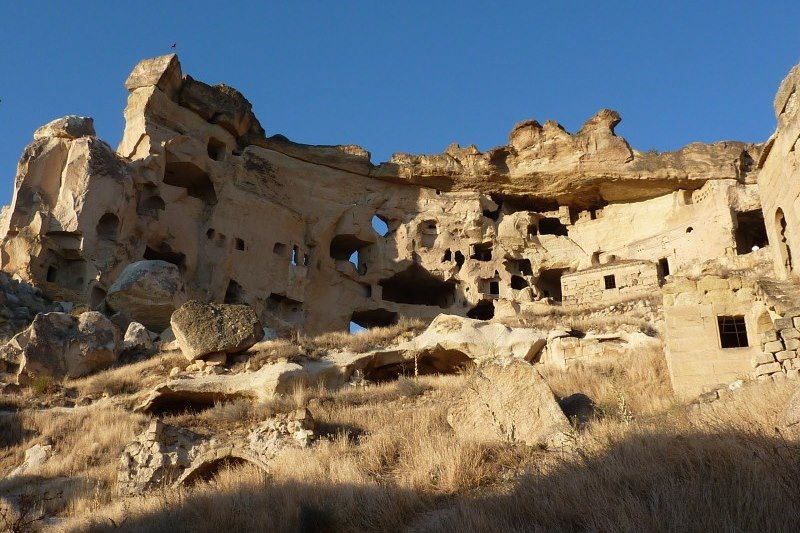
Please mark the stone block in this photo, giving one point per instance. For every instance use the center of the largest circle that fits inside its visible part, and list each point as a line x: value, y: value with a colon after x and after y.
x: 769, y: 336
x: 669, y: 299
x: 768, y: 368
x: 778, y: 376
x: 680, y: 285
x: 793, y: 374
x: 710, y: 283
x: 796, y: 322
x: 790, y: 333
x: 774, y: 346
x: 792, y: 344
x: 783, y: 323
x: 783, y: 355
x: 762, y: 359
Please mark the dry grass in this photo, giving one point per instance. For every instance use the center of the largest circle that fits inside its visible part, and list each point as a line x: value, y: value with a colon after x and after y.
x: 390, y: 462
x: 301, y: 348
x: 128, y: 379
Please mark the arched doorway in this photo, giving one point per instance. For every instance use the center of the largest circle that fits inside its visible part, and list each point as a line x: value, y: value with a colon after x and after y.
x: 784, y: 251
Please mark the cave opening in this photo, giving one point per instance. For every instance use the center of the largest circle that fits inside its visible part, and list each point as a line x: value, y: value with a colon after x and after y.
x: 552, y: 226
x: 550, y: 282
x: 417, y: 286
x: 482, y: 251
x: 108, y: 227
x: 165, y: 253
x: 519, y: 283
x: 484, y: 310
x: 435, y: 362
x: 374, y: 318
x: 189, y: 176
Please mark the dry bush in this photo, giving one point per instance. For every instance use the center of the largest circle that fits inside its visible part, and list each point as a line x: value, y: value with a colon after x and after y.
x: 639, y: 380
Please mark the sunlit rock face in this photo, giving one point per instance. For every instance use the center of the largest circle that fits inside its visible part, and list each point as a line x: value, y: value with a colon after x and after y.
x: 314, y: 237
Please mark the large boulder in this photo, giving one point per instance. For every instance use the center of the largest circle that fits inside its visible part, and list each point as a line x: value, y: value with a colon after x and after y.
x: 60, y: 345
x: 147, y: 292
x: 202, y: 329
x: 509, y: 403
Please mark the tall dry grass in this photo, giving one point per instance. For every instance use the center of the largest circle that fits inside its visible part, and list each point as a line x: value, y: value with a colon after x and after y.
x: 388, y: 461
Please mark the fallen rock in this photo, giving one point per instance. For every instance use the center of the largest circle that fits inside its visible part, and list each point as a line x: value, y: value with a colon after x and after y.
x: 207, y: 328
x: 203, y: 391
x: 137, y: 339
x: 59, y: 345
x: 147, y: 292
x: 35, y: 457
x: 509, y: 403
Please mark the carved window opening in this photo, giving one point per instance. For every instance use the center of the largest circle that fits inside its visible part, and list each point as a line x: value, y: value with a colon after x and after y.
x: 732, y: 332
x: 482, y: 252
x: 751, y: 232
x: 239, y: 244
x: 519, y: 283
x: 549, y: 283
x: 610, y: 281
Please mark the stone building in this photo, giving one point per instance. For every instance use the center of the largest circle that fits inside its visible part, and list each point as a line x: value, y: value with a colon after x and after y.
x: 611, y: 282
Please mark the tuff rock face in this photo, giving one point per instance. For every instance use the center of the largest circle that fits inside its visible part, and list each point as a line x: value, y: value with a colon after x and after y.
x: 314, y: 237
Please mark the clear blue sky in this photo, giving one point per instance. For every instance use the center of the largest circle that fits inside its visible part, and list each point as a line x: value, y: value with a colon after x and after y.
x: 411, y: 76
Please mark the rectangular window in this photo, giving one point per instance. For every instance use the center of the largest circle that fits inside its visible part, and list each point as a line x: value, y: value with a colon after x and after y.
x: 494, y: 288
x: 610, y: 281
x: 732, y: 332
x: 663, y: 267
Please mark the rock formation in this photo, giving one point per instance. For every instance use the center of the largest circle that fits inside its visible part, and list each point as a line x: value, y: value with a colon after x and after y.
x: 314, y: 237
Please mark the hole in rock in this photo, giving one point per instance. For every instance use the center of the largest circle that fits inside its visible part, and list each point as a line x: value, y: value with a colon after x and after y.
x: 192, y: 178
x: 240, y: 244
x: 234, y: 294
x: 550, y: 282
x: 374, y: 318
x: 417, y: 286
x: 439, y: 362
x: 552, y: 226
x: 494, y: 288
x: 380, y: 225
x: 482, y: 251
x: 344, y: 246
x: 210, y: 233
x: 216, y: 149
x: 150, y: 205
x: 663, y: 267
x: 448, y: 256
x: 107, y: 227
x: 518, y: 282
x: 484, y: 310
x: 610, y: 281
x: 165, y: 253
x: 279, y: 248
x: 295, y: 251
x: 175, y: 403
x: 429, y: 232
x: 459, y: 259
x: 751, y: 232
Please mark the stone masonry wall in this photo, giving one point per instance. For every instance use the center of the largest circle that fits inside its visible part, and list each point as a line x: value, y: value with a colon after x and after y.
x: 631, y: 279
x: 779, y: 359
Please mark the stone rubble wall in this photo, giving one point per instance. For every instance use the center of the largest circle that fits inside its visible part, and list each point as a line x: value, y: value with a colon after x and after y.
x: 632, y: 280
x: 780, y: 358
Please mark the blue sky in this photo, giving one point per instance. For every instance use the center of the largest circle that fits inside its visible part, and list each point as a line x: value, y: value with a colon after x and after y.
x: 411, y: 76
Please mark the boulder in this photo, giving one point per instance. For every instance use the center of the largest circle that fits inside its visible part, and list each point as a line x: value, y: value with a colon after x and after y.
x: 69, y: 127
x: 199, y: 391
x: 59, y: 345
x: 35, y: 457
x: 137, y: 339
x: 509, y: 403
x: 206, y: 328
x: 147, y: 292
